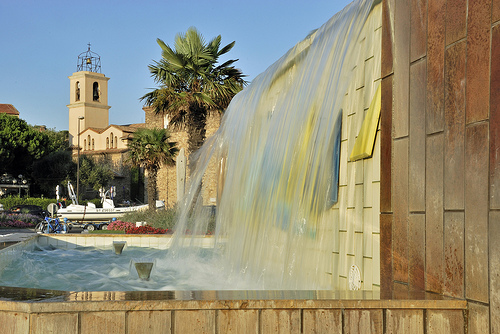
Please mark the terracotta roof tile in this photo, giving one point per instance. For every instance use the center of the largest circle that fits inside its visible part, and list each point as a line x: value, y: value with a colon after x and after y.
x: 8, y: 109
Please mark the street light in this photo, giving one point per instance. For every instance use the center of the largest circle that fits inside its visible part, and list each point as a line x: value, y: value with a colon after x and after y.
x: 78, y: 163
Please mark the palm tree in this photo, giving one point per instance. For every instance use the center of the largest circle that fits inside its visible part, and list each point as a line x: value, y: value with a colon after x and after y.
x: 150, y: 148
x: 192, y: 84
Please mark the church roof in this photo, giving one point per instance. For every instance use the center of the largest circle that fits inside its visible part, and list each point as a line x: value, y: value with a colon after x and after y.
x: 8, y: 109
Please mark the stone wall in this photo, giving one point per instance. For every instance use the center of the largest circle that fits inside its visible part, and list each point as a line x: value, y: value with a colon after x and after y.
x: 440, y: 176
x: 226, y: 312
x: 167, y: 176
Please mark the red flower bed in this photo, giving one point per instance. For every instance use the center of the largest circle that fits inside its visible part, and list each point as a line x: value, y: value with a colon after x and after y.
x: 147, y: 230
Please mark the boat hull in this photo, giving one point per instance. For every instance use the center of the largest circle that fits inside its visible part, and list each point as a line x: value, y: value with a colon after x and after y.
x: 97, y: 214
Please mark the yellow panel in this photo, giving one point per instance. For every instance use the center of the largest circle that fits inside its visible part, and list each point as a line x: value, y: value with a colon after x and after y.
x: 363, y: 147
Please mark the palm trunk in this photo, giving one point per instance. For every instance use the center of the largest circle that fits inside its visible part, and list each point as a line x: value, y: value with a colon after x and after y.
x: 152, y: 189
x: 196, y: 122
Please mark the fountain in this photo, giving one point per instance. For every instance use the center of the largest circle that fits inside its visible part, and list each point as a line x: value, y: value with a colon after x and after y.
x: 294, y: 214
x: 118, y: 246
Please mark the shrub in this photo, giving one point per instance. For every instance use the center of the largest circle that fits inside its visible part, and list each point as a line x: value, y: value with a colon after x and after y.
x: 147, y: 230
x: 163, y: 219
x: 10, y: 201
x: 7, y: 221
x: 119, y: 225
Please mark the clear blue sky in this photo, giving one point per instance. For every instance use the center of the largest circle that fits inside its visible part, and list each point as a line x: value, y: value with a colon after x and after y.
x: 40, y: 41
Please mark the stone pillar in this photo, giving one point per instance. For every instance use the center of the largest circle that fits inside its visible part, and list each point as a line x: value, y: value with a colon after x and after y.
x: 181, y: 174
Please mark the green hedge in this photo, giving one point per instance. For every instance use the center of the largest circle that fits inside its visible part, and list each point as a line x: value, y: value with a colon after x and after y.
x: 11, y: 201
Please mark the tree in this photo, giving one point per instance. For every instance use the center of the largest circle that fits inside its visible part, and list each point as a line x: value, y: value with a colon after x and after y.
x: 150, y: 149
x: 192, y: 84
x: 95, y: 174
x: 20, y: 145
x: 53, y: 169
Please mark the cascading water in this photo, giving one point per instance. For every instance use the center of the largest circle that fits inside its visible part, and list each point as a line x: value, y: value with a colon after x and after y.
x: 277, y: 157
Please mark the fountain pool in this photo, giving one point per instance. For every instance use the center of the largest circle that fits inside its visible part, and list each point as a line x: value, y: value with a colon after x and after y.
x: 293, y: 208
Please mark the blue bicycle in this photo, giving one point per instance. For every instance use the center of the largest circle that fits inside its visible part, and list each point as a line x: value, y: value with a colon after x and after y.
x: 53, y: 225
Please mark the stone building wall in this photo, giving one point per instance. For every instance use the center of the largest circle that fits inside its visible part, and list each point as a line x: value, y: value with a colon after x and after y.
x: 440, y: 175
x: 167, y: 176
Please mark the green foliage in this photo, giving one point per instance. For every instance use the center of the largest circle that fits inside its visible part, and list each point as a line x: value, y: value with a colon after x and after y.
x: 10, y: 201
x: 192, y: 82
x: 150, y: 148
x: 58, y: 140
x: 20, y: 145
x: 95, y: 174
x: 56, y: 168
x: 164, y: 219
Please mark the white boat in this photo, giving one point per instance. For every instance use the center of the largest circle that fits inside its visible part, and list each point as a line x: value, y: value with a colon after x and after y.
x: 89, y: 212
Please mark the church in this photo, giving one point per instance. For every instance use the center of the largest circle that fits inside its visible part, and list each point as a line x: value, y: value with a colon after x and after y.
x: 92, y: 135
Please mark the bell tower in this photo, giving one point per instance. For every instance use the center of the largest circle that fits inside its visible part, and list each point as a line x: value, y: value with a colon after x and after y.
x: 88, y: 105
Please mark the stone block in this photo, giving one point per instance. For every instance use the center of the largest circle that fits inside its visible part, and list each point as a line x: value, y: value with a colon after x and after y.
x: 454, y: 127
x: 454, y: 265
x: 58, y: 323
x: 418, y: 44
x: 445, y: 322
x: 476, y: 212
x: 434, y: 257
x: 416, y: 251
x: 376, y: 259
x: 418, y: 78
x: 100, y: 322
x: 14, y: 322
x: 149, y: 322
x: 495, y: 119
x: 386, y: 146
x: 495, y: 11
x: 479, y: 319
x: 386, y: 271
x: 401, y: 65
x: 196, y: 321
x: 387, y: 35
x: 435, y: 66
x: 400, y: 207
x: 280, y: 321
x: 404, y: 321
x: 238, y: 321
x: 478, y: 60
x: 494, y: 268
x: 363, y: 321
x: 456, y: 20
x: 322, y: 321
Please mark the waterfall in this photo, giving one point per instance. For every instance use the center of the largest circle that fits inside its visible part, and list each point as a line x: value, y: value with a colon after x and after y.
x: 276, y: 154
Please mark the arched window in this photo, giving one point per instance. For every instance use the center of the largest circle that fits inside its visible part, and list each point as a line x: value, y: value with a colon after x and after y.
x: 77, y: 91
x: 93, y: 147
x: 95, y: 91
x: 89, y: 140
x: 107, y: 142
x: 84, y: 144
x: 116, y: 142
x: 111, y: 135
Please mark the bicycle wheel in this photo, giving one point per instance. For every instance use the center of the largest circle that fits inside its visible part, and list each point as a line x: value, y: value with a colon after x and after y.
x: 48, y: 229
x: 64, y: 228
x: 39, y: 227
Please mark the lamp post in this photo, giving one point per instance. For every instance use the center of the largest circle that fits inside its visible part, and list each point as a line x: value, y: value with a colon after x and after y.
x: 78, y: 163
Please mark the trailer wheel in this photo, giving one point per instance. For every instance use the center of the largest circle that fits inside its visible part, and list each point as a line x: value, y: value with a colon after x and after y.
x: 104, y: 227
x: 90, y: 227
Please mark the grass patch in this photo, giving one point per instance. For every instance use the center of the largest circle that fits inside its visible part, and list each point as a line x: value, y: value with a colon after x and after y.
x: 164, y: 219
